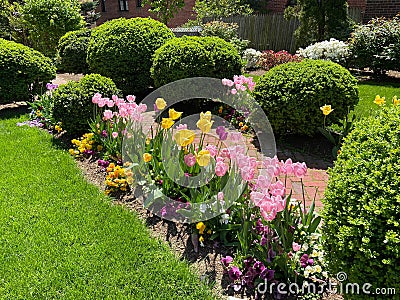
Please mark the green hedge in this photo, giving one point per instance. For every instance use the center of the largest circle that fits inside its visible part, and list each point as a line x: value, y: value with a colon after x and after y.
x: 291, y: 95
x: 362, y: 205
x: 195, y: 56
x: 72, y: 49
x: 73, y: 101
x: 122, y: 49
x: 24, y: 72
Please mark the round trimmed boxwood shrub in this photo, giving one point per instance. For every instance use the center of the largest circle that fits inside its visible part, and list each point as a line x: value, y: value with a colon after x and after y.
x: 362, y: 205
x: 24, y: 72
x: 291, y: 95
x: 72, y: 49
x: 73, y: 101
x: 195, y: 57
x: 122, y: 50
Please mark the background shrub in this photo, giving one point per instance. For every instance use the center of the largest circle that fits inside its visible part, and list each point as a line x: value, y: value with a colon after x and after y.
x: 292, y: 94
x: 361, y: 205
x: 122, y: 49
x: 73, y: 101
x: 376, y: 45
x: 193, y: 57
x: 251, y: 58
x: 269, y: 59
x: 333, y: 50
x: 24, y: 72
x: 72, y: 49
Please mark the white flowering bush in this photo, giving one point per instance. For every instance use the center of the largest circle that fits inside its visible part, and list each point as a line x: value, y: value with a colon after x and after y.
x: 251, y: 57
x: 333, y: 50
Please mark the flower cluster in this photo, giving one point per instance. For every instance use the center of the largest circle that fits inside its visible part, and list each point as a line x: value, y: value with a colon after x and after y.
x: 270, y: 59
x: 84, y: 146
x: 334, y: 50
x: 251, y: 57
x: 381, y: 100
x: 117, y: 179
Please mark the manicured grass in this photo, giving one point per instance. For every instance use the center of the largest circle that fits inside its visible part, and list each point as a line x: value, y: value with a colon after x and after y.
x: 62, y: 239
x: 367, y: 92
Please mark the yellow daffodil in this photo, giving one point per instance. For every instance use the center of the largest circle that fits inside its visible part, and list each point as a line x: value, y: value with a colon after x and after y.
x: 148, y: 141
x: 326, y: 109
x: 395, y: 101
x: 173, y: 114
x: 58, y: 128
x: 209, y: 231
x: 201, y: 239
x: 379, y: 100
x: 184, y: 137
x: 71, y: 151
x: 200, y: 227
x: 203, y: 158
x: 204, y: 125
x: 160, y: 103
x: 147, y: 157
x: 167, y: 123
x: 207, y: 115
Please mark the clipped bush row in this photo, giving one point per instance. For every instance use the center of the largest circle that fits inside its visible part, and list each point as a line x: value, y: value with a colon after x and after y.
x: 195, y: 57
x: 292, y: 94
x: 361, y: 205
x: 24, y: 72
x: 73, y: 101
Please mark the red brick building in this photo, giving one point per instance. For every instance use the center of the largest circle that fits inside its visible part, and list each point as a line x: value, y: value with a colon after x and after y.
x: 111, y: 9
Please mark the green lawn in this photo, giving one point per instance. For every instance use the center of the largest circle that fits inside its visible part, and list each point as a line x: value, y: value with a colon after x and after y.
x: 62, y: 239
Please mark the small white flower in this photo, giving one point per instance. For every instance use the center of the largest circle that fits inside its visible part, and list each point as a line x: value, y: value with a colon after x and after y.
x: 203, y: 207
x: 304, y: 247
x: 317, y: 269
x: 325, y: 274
x: 224, y: 219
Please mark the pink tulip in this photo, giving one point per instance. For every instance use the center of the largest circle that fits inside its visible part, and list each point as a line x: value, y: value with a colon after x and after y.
x: 189, y: 160
x: 212, y: 149
x: 233, y: 91
x: 108, y: 114
x: 220, y: 169
x: 114, y: 135
x: 181, y: 127
x: 296, y: 247
x: 220, y: 196
x: 130, y: 98
x: 300, y: 170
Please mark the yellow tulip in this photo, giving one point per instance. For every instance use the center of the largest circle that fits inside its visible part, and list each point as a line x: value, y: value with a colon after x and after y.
x: 206, y: 115
x: 160, y: 103
x: 167, y: 123
x: 173, y: 114
x: 204, y: 125
x: 326, y: 109
x: 200, y: 227
x: 379, y: 100
x: 147, y: 157
x: 184, y: 137
x: 203, y: 158
x: 395, y: 101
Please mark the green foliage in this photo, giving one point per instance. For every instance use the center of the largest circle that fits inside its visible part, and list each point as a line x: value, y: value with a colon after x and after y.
x: 226, y: 31
x: 361, y: 204
x: 165, y: 10
x: 292, y: 94
x: 221, y: 8
x: 73, y: 105
x: 4, y: 19
x: 48, y: 20
x: 319, y: 20
x: 62, y: 239
x: 24, y: 72
x: 195, y: 57
x: 376, y: 45
x: 72, y: 49
x: 88, y: 11
x: 122, y: 49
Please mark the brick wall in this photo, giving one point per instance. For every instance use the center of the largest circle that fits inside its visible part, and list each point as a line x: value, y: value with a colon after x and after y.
x: 112, y: 11
x: 381, y: 8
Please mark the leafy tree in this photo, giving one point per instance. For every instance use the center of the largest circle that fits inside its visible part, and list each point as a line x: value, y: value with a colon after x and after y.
x: 5, y: 30
x: 319, y: 20
x: 88, y: 11
x: 218, y: 9
x: 165, y: 10
x: 48, y: 20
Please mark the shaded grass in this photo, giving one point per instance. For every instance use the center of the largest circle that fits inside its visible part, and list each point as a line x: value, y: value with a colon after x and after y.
x: 62, y: 239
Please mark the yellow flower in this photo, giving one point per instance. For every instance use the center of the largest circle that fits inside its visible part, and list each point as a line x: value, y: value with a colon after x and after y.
x: 167, y: 123
x: 203, y: 158
x: 200, y: 227
x: 244, y: 128
x: 395, y: 101
x: 220, y: 109
x: 204, y: 125
x: 71, y: 151
x: 206, y: 115
x: 379, y: 100
x: 58, y: 128
x: 99, y: 147
x: 107, y: 192
x: 201, y: 239
x: 76, y: 142
x: 209, y: 231
x: 112, y: 165
x: 129, y: 180
x: 241, y: 124
x: 160, y: 103
x: 89, y: 147
x: 173, y: 114
x: 147, y: 157
x: 184, y: 137
x: 148, y: 141
x: 326, y: 109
